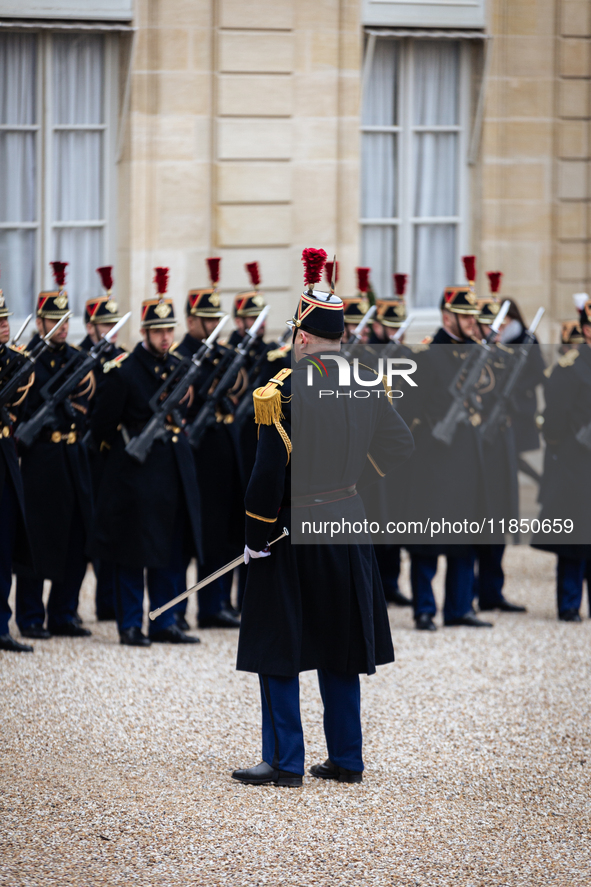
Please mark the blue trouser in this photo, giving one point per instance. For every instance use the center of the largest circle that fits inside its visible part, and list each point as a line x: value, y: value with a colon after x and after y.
x: 570, y: 573
x: 283, y: 737
x: 62, y: 605
x: 388, y: 558
x: 459, y: 585
x: 8, y: 519
x: 105, y: 590
x: 490, y: 578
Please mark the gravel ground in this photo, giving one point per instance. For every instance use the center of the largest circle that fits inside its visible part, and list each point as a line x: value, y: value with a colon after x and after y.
x: 115, y: 762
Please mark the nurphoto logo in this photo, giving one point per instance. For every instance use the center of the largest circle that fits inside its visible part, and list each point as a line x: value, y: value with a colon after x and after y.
x: 387, y: 370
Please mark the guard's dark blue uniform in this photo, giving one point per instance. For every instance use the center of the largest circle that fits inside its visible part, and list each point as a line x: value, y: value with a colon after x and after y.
x: 316, y: 607
x: 105, y: 592
x: 58, y: 500
x: 147, y: 514
x: 14, y: 540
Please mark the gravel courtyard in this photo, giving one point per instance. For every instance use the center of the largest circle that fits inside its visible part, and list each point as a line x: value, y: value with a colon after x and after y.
x: 115, y: 762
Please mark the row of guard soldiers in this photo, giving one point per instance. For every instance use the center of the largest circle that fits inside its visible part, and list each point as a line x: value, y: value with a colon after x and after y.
x: 78, y: 495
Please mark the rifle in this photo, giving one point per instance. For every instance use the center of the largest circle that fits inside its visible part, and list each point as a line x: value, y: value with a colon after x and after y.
x: 471, y: 370
x: 24, y: 368
x: 155, y: 428
x: 394, y: 344
x: 69, y: 377
x: 245, y: 408
x: 490, y: 426
x: 356, y: 337
x: 10, y: 367
x: 206, y: 414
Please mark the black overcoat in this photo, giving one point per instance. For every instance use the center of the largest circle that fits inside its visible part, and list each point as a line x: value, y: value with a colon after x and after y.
x: 10, y: 473
x: 218, y: 474
x: 566, y: 484
x: 317, y: 605
x: 138, y: 504
x: 56, y: 476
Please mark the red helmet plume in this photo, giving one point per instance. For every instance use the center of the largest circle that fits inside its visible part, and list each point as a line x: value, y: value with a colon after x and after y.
x: 59, y: 272
x: 161, y: 280
x: 252, y: 269
x: 363, y: 279
x: 400, y: 283
x: 328, y: 271
x: 494, y: 279
x: 314, y: 261
x: 106, y: 274
x: 470, y: 266
x: 214, y: 269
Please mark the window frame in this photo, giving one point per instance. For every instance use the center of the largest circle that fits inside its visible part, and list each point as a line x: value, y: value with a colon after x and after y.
x: 45, y: 222
x: 405, y: 222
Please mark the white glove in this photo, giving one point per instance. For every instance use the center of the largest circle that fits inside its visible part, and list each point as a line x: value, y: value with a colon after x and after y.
x: 249, y: 553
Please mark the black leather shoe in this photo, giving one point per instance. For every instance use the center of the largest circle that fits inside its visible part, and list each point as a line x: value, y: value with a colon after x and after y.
x: 222, y: 619
x: 71, y: 630
x: 505, y: 606
x: 470, y: 620
x: 8, y: 643
x: 36, y: 632
x: 182, y: 622
x: 569, y: 616
x: 398, y: 599
x: 133, y: 637
x: 173, y: 635
x: 328, y: 770
x: 77, y: 620
x: 424, y: 622
x: 264, y: 774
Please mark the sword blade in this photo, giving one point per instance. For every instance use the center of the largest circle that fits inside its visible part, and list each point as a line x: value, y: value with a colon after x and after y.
x: 212, y: 576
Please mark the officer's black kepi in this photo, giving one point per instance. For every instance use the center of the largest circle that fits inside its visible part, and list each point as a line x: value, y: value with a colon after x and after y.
x: 317, y: 313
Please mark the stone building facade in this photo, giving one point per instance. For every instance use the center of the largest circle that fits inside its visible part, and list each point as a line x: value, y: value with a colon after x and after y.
x: 249, y: 129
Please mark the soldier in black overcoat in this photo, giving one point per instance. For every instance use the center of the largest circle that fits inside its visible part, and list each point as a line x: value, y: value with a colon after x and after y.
x: 314, y: 606
x: 14, y: 539
x: 57, y: 485
x: 101, y: 314
x: 390, y: 315
x: 147, y: 513
x: 436, y: 468
x: 216, y: 463
x: 566, y: 486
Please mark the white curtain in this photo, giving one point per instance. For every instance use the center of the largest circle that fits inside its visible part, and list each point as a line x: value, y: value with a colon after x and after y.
x: 436, y: 103
x: 77, y: 186
x: 18, y: 106
x: 379, y: 164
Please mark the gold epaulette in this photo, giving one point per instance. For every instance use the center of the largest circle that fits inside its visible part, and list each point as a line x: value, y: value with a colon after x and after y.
x: 567, y: 360
x: 18, y: 349
x: 173, y: 348
x: 115, y: 363
x: 267, y: 399
x: 278, y: 352
x: 75, y: 347
x: 267, y: 406
x: 422, y: 346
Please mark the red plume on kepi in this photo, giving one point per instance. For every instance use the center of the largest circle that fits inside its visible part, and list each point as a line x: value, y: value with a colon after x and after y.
x: 400, y: 284
x: 314, y: 261
x: 363, y: 279
x: 494, y: 279
x: 470, y: 266
x: 253, y: 272
x: 161, y: 280
x: 214, y: 269
x: 106, y: 275
x: 328, y: 269
x: 59, y: 272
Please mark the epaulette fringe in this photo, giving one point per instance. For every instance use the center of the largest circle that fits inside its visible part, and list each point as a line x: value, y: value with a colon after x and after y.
x: 267, y: 400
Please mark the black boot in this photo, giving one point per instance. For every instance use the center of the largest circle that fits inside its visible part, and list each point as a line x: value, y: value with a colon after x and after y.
x: 424, y: 622
x: 36, y: 632
x: 264, y: 774
x: 328, y: 770
x: 8, y: 643
x: 173, y: 635
x: 181, y: 622
x: 222, y: 619
x: 133, y: 637
x: 569, y: 616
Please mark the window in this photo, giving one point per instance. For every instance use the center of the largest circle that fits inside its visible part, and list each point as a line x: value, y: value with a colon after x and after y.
x: 414, y: 178
x: 56, y: 167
